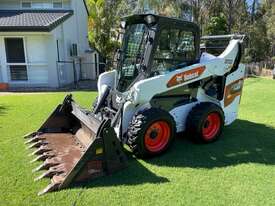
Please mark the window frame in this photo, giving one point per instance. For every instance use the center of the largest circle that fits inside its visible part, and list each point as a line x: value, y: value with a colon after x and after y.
x: 28, y: 2
x: 9, y: 64
x: 50, y: 7
x: 179, y: 34
x: 180, y: 25
x: 57, y: 1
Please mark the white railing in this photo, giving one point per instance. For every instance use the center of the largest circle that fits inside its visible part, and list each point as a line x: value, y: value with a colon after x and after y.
x: 71, y: 72
x: 37, y: 73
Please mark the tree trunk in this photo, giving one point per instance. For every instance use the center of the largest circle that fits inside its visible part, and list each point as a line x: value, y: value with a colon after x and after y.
x: 230, y: 19
x: 253, y: 11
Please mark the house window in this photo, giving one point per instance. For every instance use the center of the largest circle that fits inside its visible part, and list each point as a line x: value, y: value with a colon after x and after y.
x: 73, y: 50
x: 15, y: 55
x: 26, y: 4
x: 57, y: 4
x: 41, y: 5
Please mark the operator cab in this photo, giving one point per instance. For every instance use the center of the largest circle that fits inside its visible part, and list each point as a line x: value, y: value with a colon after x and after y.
x: 154, y: 45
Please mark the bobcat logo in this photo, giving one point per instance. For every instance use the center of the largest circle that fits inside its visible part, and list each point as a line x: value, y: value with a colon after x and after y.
x: 186, y: 76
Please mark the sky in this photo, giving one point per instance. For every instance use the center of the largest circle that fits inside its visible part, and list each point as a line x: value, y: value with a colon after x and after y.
x: 249, y: 1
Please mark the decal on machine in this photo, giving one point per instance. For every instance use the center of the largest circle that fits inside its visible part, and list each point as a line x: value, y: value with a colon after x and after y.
x: 232, y: 91
x: 186, y: 76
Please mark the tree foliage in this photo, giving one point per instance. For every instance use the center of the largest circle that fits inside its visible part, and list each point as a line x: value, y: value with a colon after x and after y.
x: 214, y: 17
x: 270, y: 22
x: 102, y: 21
x: 216, y: 25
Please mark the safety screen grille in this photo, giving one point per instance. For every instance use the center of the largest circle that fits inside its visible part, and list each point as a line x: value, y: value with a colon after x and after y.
x: 135, y: 43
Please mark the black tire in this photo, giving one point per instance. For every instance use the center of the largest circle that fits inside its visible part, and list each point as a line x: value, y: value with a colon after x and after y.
x: 200, y: 128
x: 147, y: 122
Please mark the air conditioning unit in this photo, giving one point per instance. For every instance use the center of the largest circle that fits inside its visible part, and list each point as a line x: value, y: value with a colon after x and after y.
x: 73, y: 51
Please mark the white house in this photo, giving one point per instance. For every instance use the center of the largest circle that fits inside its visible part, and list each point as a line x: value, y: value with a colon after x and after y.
x: 39, y: 40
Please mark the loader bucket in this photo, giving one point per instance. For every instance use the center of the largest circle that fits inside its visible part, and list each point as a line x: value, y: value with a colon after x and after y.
x: 75, y: 147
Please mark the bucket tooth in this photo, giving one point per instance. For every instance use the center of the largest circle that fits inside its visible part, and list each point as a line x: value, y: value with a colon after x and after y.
x: 37, y: 144
x: 46, y: 165
x: 75, y: 146
x: 41, y: 150
x: 30, y: 135
x: 43, y: 157
x: 50, y: 173
x: 34, y: 139
x: 50, y: 188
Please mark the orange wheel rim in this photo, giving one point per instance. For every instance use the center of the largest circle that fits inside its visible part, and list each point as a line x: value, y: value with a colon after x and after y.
x: 157, y: 136
x: 211, y: 126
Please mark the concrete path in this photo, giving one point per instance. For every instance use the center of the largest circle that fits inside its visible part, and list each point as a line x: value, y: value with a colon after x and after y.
x: 22, y: 93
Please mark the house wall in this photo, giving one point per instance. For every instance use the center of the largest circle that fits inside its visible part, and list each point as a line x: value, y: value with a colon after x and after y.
x: 44, y: 66
x: 74, y: 31
x: 40, y: 54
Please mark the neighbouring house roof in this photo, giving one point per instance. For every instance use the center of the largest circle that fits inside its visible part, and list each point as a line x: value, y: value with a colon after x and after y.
x: 32, y: 20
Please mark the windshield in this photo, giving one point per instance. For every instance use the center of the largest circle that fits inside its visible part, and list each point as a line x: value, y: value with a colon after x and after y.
x: 133, y: 49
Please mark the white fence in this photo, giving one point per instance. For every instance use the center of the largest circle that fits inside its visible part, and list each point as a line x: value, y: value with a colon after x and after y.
x: 71, y: 72
x: 36, y: 73
x: 260, y: 69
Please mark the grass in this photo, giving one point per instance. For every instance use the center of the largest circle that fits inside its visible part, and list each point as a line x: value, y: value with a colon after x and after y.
x: 237, y: 170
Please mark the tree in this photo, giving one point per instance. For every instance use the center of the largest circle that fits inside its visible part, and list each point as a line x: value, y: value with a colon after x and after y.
x: 102, y: 23
x: 241, y: 18
x: 217, y: 25
x: 161, y: 7
x: 214, y: 8
x: 270, y: 22
x: 230, y: 7
x: 259, y: 44
x: 213, y: 17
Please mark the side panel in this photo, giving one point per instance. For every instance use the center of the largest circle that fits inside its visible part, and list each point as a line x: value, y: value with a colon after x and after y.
x: 232, y: 94
x: 106, y: 78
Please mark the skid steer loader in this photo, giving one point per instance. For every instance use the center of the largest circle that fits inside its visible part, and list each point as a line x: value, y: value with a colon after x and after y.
x: 162, y: 85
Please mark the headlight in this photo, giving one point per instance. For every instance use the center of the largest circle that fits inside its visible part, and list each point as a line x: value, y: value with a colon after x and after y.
x: 150, y: 19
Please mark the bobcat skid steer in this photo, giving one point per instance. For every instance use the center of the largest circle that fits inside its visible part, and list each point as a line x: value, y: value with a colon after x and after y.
x: 161, y: 85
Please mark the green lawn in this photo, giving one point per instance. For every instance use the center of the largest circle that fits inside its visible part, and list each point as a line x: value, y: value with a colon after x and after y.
x: 237, y: 170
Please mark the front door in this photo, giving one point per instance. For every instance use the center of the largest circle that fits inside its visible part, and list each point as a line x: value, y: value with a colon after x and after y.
x: 16, y: 61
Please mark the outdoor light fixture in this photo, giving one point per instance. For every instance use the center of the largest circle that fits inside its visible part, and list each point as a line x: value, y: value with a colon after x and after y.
x: 150, y: 19
x: 123, y: 24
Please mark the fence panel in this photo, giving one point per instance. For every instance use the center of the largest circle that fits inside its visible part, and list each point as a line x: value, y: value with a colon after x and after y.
x: 71, y: 72
x: 260, y: 68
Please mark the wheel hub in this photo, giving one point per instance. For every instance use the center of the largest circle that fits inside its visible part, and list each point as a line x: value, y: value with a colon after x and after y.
x: 157, y: 136
x: 211, y: 126
x: 206, y: 124
x: 154, y: 134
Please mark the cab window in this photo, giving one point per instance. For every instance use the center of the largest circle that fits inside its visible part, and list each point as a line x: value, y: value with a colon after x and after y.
x: 175, y: 49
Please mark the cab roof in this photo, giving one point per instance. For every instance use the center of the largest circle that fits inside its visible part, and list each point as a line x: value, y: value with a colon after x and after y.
x: 163, y: 21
